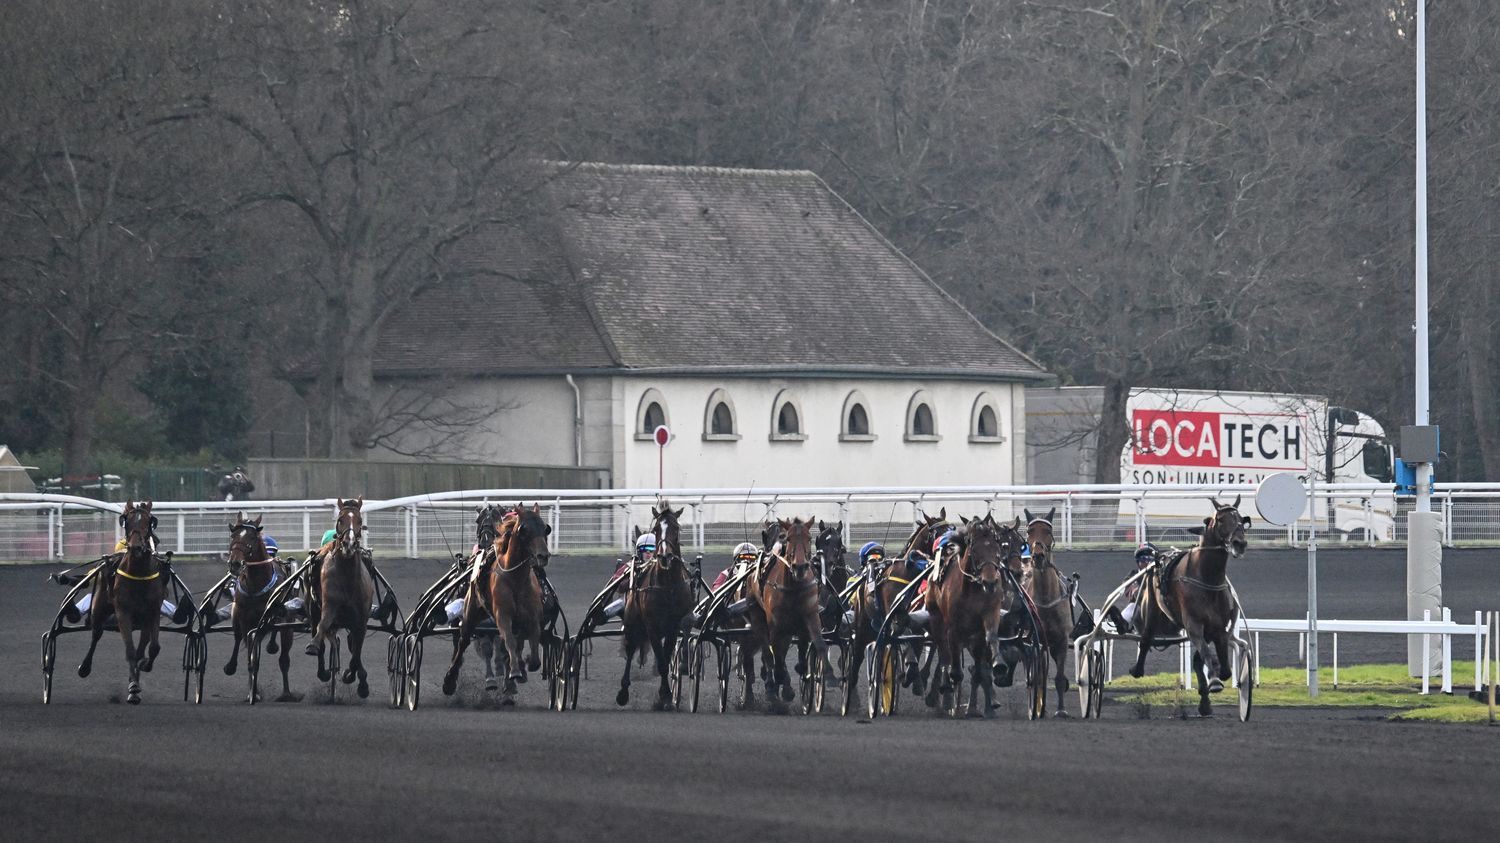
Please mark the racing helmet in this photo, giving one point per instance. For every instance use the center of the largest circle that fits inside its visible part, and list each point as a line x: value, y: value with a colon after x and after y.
x: 645, y: 543
x: 869, y: 550
x: 1146, y: 552
x: 746, y: 552
x: 271, y: 546
x: 941, y: 542
x: 330, y: 535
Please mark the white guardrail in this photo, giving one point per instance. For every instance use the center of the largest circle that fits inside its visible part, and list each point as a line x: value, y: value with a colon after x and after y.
x: 34, y: 526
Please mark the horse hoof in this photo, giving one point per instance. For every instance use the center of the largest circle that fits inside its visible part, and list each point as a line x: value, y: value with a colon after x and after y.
x: 911, y: 675
x: 363, y: 690
x: 510, y: 691
x: 1205, y: 708
x: 508, y: 702
x: 133, y: 699
x: 144, y: 665
x: 1005, y: 676
x: 492, y: 684
x: 1137, y: 670
x: 231, y: 668
x: 787, y: 694
x: 272, y: 647
x: 1215, y: 686
x: 323, y: 675
x: 977, y: 713
x: 312, y: 648
x: 450, y: 684
x: 623, y: 697
x: 1061, y: 713
x: 534, y: 663
x: 349, y: 677
x: 84, y: 670
x: 288, y: 696
x: 517, y: 677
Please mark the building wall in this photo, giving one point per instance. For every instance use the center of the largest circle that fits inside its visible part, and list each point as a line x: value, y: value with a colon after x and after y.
x: 532, y: 423
x: 822, y: 458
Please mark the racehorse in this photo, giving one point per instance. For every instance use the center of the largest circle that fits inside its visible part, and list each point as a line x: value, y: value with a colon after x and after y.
x: 344, y: 594
x: 1192, y: 593
x: 486, y: 529
x: 881, y: 582
x: 256, y: 575
x: 833, y: 577
x: 133, y: 586
x: 660, y: 594
x: 506, y: 585
x: 784, y: 604
x: 966, y: 596
x: 1053, y: 600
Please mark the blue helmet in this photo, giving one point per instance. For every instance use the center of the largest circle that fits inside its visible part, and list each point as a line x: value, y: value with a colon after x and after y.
x: 869, y: 548
x: 1146, y: 551
x: 271, y: 547
x: 1025, y: 550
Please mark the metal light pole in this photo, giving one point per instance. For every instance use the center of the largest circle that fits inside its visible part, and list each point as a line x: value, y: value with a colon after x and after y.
x: 1424, y: 550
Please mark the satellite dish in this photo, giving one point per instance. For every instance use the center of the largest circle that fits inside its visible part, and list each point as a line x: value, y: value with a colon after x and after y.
x: 1281, y: 498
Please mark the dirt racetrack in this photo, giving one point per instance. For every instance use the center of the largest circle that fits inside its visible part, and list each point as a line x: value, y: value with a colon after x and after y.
x: 462, y: 767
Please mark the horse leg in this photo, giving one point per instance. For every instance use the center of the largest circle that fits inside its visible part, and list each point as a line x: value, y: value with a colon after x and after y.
x: 1143, y: 623
x: 284, y: 660
x: 780, y: 680
x: 623, y: 697
x: 533, y: 643
x: 515, y: 672
x: 465, y: 634
x: 132, y: 658
x: 485, y: 646
x: 1202, y: 649
x: 233, y: 665
x: 356, y: 662
x: 150, y: 640
x: 661, y: 648
x: 1205, y: 708
x: 747, y: 674
x: 1060, y: 679
x: 96, y: 628
x: 1221, y: 649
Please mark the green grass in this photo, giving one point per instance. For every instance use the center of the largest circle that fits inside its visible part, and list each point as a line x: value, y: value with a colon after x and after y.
x: 1379, y: 686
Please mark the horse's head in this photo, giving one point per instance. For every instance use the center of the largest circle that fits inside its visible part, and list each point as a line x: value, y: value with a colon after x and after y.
x: 523, y: 537
x: 830, y: 543
x: 1226, y: 528
x: 246, y: 544
x: 929, y: 527
x: 797, y: 548
x: 487, y: 523
x: 1039, y: 536
x: 350, y: 525
x: 139, y: 526
x: 668, y: 532
x: 770, y: 533
x: 982, y: 550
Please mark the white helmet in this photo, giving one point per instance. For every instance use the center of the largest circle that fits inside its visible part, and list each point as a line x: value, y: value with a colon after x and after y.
x: 745, y: 550
x: 645, y: 542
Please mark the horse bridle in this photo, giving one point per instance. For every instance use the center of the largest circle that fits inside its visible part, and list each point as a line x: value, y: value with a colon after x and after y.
x: 664, y: 561
x: 791, y: 569
x: 349, y: 538
x: 236, y: 533
x: 137, y: 545
x: 997, y: 563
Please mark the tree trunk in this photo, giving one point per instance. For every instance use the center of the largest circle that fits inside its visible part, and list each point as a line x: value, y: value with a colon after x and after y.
x: 1477, y: 330
x: 1114, y: 431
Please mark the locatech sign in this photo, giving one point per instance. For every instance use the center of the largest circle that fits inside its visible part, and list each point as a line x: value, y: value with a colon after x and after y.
x: 1219, y: 440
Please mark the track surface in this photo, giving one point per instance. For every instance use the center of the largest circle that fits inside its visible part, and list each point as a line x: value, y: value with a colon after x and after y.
x: 461, y: 766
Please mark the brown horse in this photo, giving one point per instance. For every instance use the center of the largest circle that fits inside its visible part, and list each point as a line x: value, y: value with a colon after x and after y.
x: 1054, y: 604
x: 660, y: 595
x: 506, y: 585
x: 966, y: 596
x: 256, y: 575
x: 132, y: 583
x: 784, y: 605
x: 1192, y: 593
x: 882, y: 580
x: 344, y: 594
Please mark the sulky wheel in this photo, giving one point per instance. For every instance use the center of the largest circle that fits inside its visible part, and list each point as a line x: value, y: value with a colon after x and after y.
x: 49, y: 661
x: 1244, y: 664
x: 812, y: 683
x: 846, y: 659
x: 725, y: 663
x: 1094, y: 693
x: 395, y: 668
x: 676, y: 669
x: 252, y: 664
x: 697, y: 674
x: 552, y: 669
x: 413, y: 670
x: 1036, y: 685
x: 332, y: 662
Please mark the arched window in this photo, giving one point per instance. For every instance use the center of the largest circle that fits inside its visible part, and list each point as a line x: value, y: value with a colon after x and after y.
x: 719, y: 419
x: 650, y: 414
x: 984, y: 420
x: 855, y: 426
x: 921, y: 422
x: 786, y: 418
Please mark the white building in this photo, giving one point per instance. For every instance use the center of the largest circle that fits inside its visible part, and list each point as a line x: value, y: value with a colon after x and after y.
x: 780, y: 337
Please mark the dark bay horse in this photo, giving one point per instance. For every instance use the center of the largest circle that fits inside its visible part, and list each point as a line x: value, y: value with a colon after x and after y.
x: 133, y: 585
x: 1054, y: 603
x: 345, y: 592
x: 507, y: 587
x: 966, y: 596
x: 660, y: 594
x: 784, y: 605
x: 1192, y: 593
x: 256, y: 575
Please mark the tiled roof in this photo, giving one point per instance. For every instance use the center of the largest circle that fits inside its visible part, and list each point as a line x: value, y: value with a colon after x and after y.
x: 695, y: 269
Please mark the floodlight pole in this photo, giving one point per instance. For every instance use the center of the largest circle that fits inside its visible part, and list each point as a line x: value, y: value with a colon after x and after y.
x: 1424, y: 470
x: 1312, y: 584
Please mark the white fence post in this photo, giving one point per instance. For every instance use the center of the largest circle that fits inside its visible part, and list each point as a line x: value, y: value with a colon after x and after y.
x: 1447, y: 653
x: 182, y: 532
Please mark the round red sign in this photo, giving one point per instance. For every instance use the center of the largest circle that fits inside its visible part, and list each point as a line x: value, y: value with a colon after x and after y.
x: 662, y: 435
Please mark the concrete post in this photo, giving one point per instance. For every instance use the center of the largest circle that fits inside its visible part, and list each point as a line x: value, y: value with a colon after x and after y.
x: 1424, y: 585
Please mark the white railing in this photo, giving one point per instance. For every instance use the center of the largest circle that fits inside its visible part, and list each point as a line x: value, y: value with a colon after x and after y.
x: 57, y: 526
